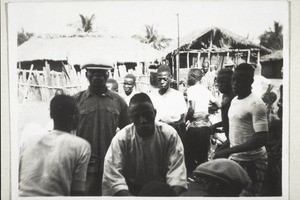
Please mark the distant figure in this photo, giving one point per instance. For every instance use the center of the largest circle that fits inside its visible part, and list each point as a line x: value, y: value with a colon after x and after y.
x: 168, y: 102
x: 129, y: 85
x: 112, y: 85
x: 101, y: 113
x: 221, y: 178
x: 208, y: 76
x: 224, y: 85
x: 142, y: 152
x: 55, y: 163
x: 158, y: 189
x: 273, y: 180
x: 248, y: 127
x: 228, y: 63
x: 198, y: 130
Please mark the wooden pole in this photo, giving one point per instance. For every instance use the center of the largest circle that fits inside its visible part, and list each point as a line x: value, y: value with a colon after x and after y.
x: 248, y: 56
x: 188, y: 60
x: 173, y: 65
x: 178, y: 63
x: 27, y: 84
x: 198, y: 59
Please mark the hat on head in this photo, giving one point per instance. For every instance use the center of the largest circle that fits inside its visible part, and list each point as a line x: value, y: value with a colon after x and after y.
x: 225, y: 170
x: 96, y: 63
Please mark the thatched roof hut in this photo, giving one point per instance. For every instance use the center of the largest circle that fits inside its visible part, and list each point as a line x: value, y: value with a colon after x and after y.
x: 216, y: 39
x: 275, y: 55
x: 74, y: 50
x: 215, y: 45
x: 271, y: 65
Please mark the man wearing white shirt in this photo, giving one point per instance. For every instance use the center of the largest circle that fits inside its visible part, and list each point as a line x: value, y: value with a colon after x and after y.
x: 168, y: 102
x: 128, y: 86
x: 198, y: 132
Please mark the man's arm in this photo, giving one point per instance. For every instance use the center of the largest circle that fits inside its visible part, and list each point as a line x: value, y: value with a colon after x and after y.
x: 176, y: 176
x: 124, y: 116
x: 79, y: 178
x: 113, y: 181
x: 258, y: 140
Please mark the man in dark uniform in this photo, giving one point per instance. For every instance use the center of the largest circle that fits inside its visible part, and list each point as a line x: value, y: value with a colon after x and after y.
x: 101, y: 113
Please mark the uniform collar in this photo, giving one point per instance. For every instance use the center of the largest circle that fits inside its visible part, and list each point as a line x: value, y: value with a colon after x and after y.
x: 107, y: 93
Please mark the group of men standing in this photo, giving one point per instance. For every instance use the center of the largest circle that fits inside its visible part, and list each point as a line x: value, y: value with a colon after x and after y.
x: 158, y: 135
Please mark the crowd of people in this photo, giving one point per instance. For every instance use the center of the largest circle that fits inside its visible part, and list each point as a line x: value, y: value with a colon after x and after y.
x: 104, y: 142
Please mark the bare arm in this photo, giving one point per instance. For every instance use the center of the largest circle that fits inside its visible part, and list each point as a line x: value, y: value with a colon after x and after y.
x: 258, y: 140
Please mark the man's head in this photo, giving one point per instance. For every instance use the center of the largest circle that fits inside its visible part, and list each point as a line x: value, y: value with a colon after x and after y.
x: 242, y: 80
x: 97, y: 77
x: 205, y: 67
x: 112, y: 84
x: 129, y: 83
x: 164, y: 78
x: 142, y: 114
x: 221, y: 177
x: 224, y: 80
x: 97, y: 74
x: 194, y: 76
x: 65, y: 112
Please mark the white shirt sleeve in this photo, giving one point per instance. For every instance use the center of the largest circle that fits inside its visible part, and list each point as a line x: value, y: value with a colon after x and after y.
x: 259, y: 117
x: 78, y: 181
x: 113, y: 181
x: 176, y: 176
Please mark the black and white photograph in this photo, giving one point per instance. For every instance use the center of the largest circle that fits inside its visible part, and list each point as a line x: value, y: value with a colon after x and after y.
x: 149, y: 98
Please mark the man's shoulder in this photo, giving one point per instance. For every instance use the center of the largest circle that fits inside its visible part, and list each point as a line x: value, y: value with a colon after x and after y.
x: 165, y: 129
x: 80, y: 94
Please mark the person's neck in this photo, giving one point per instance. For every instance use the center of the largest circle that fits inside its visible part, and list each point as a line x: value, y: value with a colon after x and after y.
x: 163, y: 90
x: 244, y: 95
x: 128, y: 93
x: 62, y: 128
x: 98, y: 90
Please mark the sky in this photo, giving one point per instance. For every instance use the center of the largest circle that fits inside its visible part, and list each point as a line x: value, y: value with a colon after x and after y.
x: 245, y: 18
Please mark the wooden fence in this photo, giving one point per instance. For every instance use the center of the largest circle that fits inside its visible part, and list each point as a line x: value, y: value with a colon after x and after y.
x: 42, y: 85
x: 34, y: 85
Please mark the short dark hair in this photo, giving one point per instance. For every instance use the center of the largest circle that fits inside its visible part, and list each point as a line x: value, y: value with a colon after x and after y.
x: 246, y: 68
x: 225, y: 71
x: 130, y: 76
x: 114, y: 82
x: 140, y: 98
x: 163, y: 68
x: 197, y: 72
x: 62, y: 107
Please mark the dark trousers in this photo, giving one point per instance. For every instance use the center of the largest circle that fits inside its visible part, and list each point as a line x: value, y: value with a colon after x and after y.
x: 93, y: 184
x: 197, y: 144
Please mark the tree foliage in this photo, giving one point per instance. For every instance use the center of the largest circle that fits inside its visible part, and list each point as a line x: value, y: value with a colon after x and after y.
x: 23, y: 36
x: 152, y: 37
x: 85, y: 25
x: 273, y: 39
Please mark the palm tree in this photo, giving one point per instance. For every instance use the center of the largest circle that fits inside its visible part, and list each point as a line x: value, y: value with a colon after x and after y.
x: 273, y: 39
x: 86, y: 25
x: 23, y: 36
x: 152, y: 37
